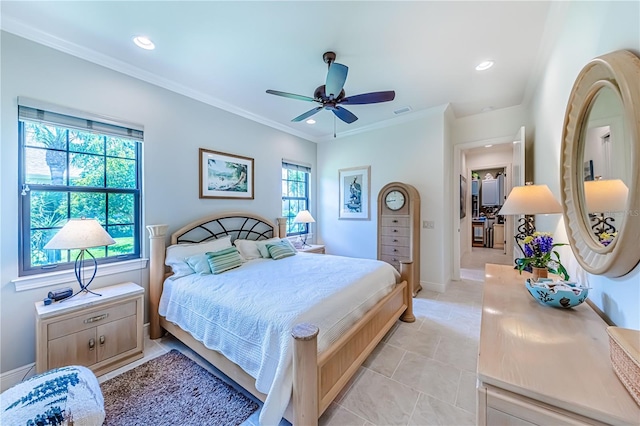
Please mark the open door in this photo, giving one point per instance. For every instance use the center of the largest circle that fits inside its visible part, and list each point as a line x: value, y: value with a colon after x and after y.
x: 517, y: 179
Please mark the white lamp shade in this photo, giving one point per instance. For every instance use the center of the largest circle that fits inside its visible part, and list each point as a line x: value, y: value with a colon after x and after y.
x: 605, y: 195
x: 304, y: 217
x: 530, y: 199
x: 80, y: 234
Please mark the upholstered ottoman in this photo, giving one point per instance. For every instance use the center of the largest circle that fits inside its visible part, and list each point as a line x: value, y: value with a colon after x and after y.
x: 64, y: 396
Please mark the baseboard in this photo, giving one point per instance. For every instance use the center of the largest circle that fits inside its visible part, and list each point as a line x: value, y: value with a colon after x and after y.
x: 13, y: 377
x: 439, y: 287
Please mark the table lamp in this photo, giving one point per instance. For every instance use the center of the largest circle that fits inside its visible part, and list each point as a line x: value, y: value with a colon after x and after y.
x: 81, y: 234
x: 304, y: 216
x: 604, y: 196
x: 529, y: 200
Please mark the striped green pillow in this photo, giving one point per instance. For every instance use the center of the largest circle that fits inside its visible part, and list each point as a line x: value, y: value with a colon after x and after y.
x: 280, y: 250
x: 223, y: 260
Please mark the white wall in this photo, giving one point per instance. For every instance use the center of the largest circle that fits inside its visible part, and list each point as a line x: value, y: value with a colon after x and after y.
x: 592, y: 29
x: 412, y: 153
x: 175, y: 127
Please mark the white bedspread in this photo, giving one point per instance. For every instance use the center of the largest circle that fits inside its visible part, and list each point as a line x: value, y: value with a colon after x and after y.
x: 247, y: 313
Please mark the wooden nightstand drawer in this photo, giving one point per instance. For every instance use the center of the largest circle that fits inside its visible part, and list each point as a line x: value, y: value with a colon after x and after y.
x: 396, y: 221
x: 396, y: 251
x: 394, y: 240
x: 90, y: 320
x: 395, y: 231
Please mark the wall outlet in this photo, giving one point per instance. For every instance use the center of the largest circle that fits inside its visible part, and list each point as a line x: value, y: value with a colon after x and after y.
x: 428, y: 224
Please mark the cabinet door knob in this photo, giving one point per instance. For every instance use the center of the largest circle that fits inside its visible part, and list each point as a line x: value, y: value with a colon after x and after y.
x: 395, y: 220
x: 395, y: 230
x: 92, y: 344
x: 395, y: 241
x: 395, y: 250
x: 102, y: 340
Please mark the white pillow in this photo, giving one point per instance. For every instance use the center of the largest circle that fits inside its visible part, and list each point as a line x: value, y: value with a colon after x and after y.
x: 248, y: 249
x: 177, y: 254
x: 264, y: 251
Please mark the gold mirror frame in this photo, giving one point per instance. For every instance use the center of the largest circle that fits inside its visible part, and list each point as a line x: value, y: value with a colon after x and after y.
x: 620, y: 71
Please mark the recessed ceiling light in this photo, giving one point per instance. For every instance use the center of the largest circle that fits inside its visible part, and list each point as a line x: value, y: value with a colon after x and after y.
x: 144, y: 42
x: 484, y: 65
x: 488, y: 146
x: 311, y: 121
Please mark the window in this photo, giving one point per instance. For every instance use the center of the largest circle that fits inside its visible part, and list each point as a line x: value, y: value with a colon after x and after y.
x: 295, y: 195
x: 72, y: 167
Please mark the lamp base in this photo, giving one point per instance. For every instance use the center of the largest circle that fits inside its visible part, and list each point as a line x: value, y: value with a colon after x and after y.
x: 78, y: 268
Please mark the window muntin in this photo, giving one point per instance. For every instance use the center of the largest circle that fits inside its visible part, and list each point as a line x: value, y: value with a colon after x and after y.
x: 295, y: 195
x: 70, y: 173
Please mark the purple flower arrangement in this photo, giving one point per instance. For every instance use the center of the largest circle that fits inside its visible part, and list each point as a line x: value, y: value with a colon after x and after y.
x: 538, y: 251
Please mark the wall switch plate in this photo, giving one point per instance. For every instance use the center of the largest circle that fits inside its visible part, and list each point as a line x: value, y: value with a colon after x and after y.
x: 428, y: 224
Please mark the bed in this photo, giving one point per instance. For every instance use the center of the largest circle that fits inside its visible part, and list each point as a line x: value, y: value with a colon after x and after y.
x: 313, y: 365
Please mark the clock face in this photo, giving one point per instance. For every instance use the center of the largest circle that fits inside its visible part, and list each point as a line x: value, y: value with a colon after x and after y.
x: 394, y: 200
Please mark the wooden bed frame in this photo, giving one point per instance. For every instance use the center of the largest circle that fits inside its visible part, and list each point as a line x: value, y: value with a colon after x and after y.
x: 317, y: 378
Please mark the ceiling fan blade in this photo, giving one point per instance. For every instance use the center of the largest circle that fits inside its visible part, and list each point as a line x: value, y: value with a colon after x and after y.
x: 336, y: 77
x: 307, y: 114
x: 344, y: 114
x: 369, y: 98
x: 291, y: 95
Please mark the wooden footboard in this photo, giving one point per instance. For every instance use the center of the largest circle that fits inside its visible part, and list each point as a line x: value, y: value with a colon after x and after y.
x: 318, y: 378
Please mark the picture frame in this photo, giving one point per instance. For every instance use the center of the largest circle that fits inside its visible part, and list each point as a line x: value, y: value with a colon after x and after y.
x: 224, y: 175
x: 355, y: 193
x: 463, y: 197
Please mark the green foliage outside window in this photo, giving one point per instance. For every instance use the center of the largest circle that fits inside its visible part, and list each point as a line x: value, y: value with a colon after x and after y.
x: 70, y: 174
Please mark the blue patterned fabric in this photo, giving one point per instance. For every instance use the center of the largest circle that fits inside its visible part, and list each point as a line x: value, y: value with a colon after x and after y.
x: 54, y: 398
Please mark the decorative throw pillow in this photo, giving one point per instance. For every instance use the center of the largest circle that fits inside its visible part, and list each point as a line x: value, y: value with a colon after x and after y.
x: 262, y: 246
x: 280, y: 250
x: 223, y: 260
x: 177, y: 254
x: 199, y: 263
x: 248, y: 249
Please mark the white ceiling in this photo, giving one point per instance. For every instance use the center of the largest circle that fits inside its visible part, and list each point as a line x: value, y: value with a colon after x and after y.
x: 228, y: 53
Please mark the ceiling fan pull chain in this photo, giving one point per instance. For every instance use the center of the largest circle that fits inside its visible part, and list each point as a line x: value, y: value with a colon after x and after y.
x: 334, y: 126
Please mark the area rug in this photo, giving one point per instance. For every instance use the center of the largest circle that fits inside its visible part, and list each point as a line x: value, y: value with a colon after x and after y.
x: 173, y: 390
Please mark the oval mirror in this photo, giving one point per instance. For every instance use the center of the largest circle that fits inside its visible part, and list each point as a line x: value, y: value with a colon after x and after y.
x: 599, y: 165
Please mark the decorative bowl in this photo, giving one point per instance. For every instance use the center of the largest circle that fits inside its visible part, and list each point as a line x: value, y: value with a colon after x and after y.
x: 559, y: 294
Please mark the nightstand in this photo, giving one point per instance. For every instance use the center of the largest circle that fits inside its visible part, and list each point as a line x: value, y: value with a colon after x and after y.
x: 313, y: 248
x: 99, y: 332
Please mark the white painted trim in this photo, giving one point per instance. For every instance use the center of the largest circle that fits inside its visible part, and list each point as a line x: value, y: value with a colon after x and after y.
x: 68, y: 277
x: 13, y: 377
x: 439, y: 287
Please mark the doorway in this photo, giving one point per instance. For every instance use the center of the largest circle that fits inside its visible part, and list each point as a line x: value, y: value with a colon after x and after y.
x: 504, y: 154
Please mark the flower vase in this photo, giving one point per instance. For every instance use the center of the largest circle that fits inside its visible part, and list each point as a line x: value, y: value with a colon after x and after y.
x: 539, y: 273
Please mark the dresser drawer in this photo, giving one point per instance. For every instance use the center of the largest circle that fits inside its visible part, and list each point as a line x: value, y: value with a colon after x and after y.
x: 396, y: 221
x: 395, y: 240
x: 395, y: 231
x: 396, y: 251
x: 90, y: 319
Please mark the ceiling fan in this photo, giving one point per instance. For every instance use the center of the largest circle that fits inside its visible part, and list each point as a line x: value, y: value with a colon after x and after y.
x: 331, y: 95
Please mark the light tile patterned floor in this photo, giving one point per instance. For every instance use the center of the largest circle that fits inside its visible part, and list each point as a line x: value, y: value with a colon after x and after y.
x: 422, y: 373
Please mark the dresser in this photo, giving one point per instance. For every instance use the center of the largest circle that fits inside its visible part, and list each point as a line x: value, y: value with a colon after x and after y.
x: 99, y: 332
x: 539, y: 365
x: 399, y: 227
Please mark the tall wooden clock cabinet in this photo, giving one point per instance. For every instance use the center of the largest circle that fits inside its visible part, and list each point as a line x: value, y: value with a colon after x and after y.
x: 399, y: 227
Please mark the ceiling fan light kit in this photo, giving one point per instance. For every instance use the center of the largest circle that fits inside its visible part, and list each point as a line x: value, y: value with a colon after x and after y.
x: 331, y: 95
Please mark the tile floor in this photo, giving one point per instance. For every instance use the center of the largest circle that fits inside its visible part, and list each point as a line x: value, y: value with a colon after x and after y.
x: 422, y: 373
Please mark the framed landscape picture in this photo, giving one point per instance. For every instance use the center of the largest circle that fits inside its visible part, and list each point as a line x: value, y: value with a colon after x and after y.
x: 225, y: 175
x: 354, y: 193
